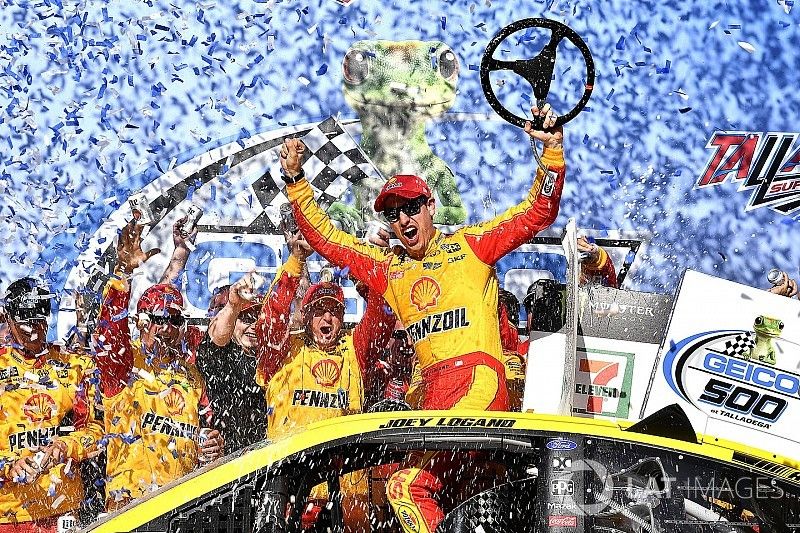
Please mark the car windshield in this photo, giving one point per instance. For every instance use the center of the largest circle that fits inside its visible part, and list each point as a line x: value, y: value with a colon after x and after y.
x: 517, y: 482
x: 235, y: 220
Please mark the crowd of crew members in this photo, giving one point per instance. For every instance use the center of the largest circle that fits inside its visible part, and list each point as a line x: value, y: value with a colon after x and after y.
x: 149, y: 397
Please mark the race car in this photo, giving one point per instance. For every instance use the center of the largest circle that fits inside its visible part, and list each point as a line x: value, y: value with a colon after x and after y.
x: 520, y: 472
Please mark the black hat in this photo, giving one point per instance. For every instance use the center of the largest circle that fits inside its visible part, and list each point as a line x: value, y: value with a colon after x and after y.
x: 25, y: 299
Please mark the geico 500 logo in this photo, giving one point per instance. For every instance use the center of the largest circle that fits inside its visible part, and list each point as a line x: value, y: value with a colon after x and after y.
x: 712, y: 370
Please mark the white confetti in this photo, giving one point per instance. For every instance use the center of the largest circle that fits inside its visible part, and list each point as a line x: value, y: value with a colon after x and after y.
x: 303, y: 81
x: 145, y: 375
x: 747, y: 46
x: 713, y: 25
x: 58, y: 501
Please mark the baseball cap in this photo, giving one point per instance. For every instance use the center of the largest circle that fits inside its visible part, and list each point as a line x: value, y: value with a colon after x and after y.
x: 163, y: 299
x: 403, y: 185
x: 219, y: 299
x: 26, y: 299
x: 322, y: 290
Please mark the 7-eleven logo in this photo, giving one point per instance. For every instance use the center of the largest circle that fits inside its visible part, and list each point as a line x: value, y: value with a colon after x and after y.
x: 603, y: 383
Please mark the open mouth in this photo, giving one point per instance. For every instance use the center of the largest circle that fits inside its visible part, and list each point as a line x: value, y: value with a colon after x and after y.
x: 410, y: 233
x: 326, y: 330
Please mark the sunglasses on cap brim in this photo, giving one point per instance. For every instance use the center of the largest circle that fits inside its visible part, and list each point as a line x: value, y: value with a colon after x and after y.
x: 29, y: 321
x: 410, y: 208
x: 161, y: 320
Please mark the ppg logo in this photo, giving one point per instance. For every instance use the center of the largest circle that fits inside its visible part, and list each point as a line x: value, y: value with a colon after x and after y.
x: 562, y: 487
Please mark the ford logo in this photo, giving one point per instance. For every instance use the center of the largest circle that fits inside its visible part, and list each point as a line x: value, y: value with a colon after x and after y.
x: 561, y: 444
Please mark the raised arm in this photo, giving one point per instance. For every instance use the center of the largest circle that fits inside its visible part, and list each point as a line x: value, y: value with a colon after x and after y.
x: 272, y: 328
x: 180, y: 255
x: 597, y: 266
x: 493, y: 239
x: 115, y: 356
x: 366, y: 262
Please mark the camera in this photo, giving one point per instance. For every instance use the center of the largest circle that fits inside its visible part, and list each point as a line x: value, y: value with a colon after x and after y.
x: 288, y: 222
x: 546, y: 303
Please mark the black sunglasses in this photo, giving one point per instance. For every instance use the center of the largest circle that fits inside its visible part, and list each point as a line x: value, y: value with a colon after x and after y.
x: 410, y: 208
x: 248, y: 318
x: 161, y: 320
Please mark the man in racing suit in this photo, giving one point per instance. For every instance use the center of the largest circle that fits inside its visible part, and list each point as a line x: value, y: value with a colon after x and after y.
x: 317, y: 373
x: 51, y: 406
x: 154, y: 398
x: 442, y: 287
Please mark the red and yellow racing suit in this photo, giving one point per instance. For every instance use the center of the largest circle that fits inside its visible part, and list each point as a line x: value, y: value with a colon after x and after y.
x: 53, y: 395
x: 600, y: 271
x: 305, y: 384
x: 448, y: 303
x: 153, y: 411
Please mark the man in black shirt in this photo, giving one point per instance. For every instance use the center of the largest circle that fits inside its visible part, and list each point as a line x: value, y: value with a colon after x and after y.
x: 228, y: 364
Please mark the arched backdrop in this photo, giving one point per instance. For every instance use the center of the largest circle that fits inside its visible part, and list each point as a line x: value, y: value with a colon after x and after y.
x: 103, y: 100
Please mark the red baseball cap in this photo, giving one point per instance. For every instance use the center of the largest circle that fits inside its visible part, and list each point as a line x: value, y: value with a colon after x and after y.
x: 162, y: 298
x: 403, y: 185
x: 322, y: 290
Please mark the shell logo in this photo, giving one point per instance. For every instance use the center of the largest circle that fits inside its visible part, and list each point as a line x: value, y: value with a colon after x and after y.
x: 174, y: 402
x: 425, y: 293
x: 39, y: 408
x: 326, y: 372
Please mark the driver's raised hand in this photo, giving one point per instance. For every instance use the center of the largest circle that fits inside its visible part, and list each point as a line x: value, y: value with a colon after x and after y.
x: 551, y: 139
x: 129, y: 248
x: 787, y: 287
x: 291, y: 156
x: 298, y: 246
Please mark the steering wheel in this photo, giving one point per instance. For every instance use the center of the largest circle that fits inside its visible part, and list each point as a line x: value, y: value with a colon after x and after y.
x: 537, y: 71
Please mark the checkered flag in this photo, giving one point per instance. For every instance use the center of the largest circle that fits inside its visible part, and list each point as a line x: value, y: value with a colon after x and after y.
x: 740, y: 345
x: 333, y: 163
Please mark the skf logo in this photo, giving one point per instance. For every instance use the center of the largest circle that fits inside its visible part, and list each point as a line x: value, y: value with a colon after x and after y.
x: 771, y: 175
x: 425, y: 293
x: 174, y: 401
x: 326, y: 372
x: 39, y: 408
x: 562, y: 487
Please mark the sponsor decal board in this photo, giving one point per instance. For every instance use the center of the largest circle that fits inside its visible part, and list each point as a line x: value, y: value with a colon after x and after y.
x: 619, y: 333
x: 731, y: 360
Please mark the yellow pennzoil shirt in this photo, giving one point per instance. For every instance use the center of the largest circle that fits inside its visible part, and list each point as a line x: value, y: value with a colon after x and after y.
x: 54, y: 395
x: 448, y: 300
x: 153, y: 412
x: 303, y: 383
